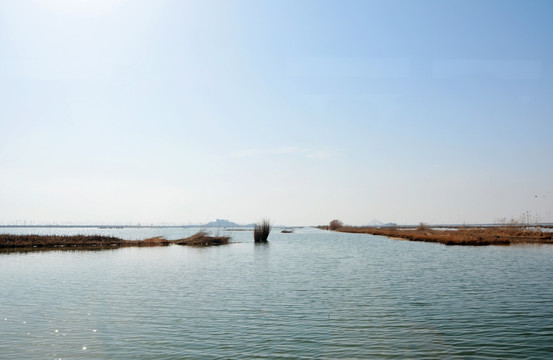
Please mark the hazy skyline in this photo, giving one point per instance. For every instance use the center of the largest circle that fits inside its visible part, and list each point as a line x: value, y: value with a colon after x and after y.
x: 297, y: 111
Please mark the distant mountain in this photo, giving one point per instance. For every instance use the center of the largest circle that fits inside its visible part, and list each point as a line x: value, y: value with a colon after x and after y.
x: 378, y: 223
x: 224, y: 223
x: 375, y: 223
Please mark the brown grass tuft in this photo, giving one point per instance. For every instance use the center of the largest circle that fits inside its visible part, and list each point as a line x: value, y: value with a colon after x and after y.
x: 156, y: 241
x: 202, y: 238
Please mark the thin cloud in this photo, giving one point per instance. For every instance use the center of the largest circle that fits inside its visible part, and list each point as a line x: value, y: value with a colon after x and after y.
x: 270, y: 151
x: 321, y: 154
x: 285, y: 150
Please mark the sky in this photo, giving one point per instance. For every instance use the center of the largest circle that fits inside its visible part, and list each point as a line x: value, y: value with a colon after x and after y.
x: 181, y: 112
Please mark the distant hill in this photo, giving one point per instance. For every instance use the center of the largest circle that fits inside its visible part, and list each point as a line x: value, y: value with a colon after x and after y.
x: 378, y: 223
x: 224, y: 223
x: 375, y: 222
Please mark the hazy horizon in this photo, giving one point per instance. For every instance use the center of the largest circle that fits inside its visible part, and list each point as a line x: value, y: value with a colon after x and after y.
x: 115, y: 111
x: 374, y: 222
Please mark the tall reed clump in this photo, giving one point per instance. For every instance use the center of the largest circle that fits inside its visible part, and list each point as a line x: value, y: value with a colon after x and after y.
x: 261, y: 231
x: 335, y: 225
x: 423, y: 227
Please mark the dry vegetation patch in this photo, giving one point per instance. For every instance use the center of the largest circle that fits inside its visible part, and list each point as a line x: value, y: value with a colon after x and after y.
x: 156, y: 241
x: 202, y: 238
x: 8, y: 241
x: 476, y: 236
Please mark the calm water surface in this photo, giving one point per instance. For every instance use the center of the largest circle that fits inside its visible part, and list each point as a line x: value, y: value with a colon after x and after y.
x: 310, y: 294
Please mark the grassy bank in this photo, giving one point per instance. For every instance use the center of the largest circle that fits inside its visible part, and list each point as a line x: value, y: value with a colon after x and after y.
x: 475, y: 236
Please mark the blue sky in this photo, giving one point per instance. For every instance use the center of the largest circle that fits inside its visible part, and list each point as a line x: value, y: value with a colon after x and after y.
x: 298, y: 111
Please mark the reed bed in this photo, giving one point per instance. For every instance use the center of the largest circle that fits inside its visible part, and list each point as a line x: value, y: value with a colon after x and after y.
x: 475, y: 236
x: 261, y: 231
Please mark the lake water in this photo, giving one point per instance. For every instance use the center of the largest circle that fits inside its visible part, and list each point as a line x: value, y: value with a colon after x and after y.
x: 310, y: 294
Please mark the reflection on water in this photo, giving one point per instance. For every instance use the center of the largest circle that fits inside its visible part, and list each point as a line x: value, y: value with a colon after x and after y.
x: 309, y: 294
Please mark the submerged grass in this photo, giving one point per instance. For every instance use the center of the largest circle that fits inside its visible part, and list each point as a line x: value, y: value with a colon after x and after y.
x: 261, y: 231
x: 511, y: 234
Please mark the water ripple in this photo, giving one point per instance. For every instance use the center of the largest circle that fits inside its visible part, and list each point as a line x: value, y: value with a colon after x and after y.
x: 306, y: 295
